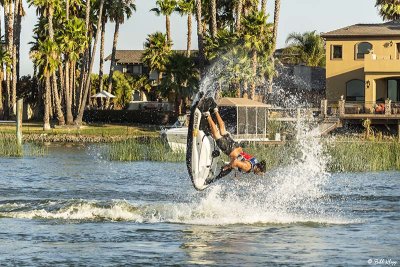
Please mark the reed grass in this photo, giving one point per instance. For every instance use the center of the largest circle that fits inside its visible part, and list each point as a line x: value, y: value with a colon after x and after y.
x: 10, y: 148
x: 363, y: 156
x: 274, y: 155
x: 351, y: 155
x: 144, y: 149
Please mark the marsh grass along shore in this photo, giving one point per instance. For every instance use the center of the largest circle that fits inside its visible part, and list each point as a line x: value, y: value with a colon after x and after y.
x: 94, y: 133
x: 137, y: 143
x: 345, y: 155
x: 10, y: 148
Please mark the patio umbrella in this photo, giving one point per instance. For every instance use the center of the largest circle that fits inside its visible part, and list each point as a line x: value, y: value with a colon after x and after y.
x: 103, y: 94
x: 99, y: 95
x: 107, y: 94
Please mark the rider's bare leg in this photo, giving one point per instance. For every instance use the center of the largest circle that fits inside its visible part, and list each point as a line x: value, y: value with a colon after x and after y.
x: 213, y: 127
x: 221, y: 124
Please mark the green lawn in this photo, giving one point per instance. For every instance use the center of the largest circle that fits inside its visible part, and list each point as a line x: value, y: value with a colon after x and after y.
x: 87, y: 130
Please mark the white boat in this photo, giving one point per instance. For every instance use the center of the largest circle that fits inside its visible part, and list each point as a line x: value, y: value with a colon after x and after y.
x: 176, y: 136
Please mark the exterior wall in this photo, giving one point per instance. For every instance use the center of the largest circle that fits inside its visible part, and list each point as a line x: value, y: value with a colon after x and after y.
x: 340, y: 71
x: 380, y: 79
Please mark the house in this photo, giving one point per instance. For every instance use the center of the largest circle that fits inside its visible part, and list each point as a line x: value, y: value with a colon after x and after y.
x: 363, y: 66
x: 130, y: 62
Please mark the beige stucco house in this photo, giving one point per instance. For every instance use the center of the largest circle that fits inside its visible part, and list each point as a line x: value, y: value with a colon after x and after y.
x: 363, y: 63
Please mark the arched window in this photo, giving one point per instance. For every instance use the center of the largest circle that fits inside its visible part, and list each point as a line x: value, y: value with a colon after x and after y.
x: 362, y: 49
x: 355, y: 90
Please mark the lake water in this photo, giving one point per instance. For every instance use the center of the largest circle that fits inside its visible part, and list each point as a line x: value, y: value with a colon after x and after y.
x: 74, y: 208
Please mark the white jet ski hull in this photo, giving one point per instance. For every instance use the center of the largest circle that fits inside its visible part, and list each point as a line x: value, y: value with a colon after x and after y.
x: 202, y: 155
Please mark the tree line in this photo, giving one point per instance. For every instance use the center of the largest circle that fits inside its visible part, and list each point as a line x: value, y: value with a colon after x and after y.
x: 67, y: 34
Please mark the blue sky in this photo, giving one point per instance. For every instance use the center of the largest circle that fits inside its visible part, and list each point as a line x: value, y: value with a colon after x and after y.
x: 296, y: 16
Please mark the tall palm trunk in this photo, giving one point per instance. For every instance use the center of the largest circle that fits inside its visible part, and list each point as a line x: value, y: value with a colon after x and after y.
x: 264, y: 6
x: 84, y: 66
x: 73, y: 87
x: 8, y: 78
x: 67, y: 84
x: 87, y: 86
x: 10, y: 49
x: 245, y: 89
x: 62, y: 90
x: 200, y: 35
x: 239, y: 11
x: 277, y: 11
x: 189, y: 35
x: 168, y: 27
x: 1, y: 91
x: 1, y: 80
x: 57, y: 102
x: 47, y: 99
x: 114, y: 51
x: 67, y: 94
x: 102, y: 43
x: 14, y: 59
x: 213, y: 18
x: 21, y: 13
x: 254, y: 75
x: 237, y: 89
x: 67, y: 9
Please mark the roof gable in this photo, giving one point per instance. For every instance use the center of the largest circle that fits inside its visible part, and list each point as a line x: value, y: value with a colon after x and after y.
x: 391, y: 29
x: 133, y: 56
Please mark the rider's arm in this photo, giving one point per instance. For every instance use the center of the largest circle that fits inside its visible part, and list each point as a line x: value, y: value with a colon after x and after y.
x: 239, y: 164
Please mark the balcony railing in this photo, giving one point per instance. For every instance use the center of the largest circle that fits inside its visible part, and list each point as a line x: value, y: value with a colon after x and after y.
x: 374, y: 63
x: 342, y: 108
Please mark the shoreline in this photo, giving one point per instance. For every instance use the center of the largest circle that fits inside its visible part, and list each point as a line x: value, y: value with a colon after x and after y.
x: 77, y: 139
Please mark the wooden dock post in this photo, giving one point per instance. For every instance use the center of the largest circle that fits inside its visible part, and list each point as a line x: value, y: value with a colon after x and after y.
x: 20, y: 104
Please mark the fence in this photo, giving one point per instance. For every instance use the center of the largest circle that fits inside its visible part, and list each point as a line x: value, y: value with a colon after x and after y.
x: 130, y: 116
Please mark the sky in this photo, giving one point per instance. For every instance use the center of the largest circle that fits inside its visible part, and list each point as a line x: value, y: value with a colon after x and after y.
x: 296, y: 16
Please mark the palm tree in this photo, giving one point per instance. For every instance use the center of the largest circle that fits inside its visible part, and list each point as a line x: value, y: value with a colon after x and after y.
x: 307, y: 48
x: 186, y: 7
x: 255, y: 36
x: 181, y: 79
x: 238, y: 70
x: 200, y: 36
x: 166, y: 8
x: 5, y: 59
x: 79, y: 117
x: 84, y: 74
x: 239, y: 10
x: 213, y: 7
x: 46, y: 58
x: 73, y: 44
x: 277, y: 12
x: 157, y: 52
x: 106, y: 10
x: 18, y: 13
x: 264, y: 6
x: 250, y: 6
x: 118, y: 11
x: 48, y: 48
x: 388, y: 9
x: 9, y: 38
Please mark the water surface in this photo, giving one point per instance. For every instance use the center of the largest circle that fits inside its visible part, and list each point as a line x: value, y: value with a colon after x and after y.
x: 75, y: 208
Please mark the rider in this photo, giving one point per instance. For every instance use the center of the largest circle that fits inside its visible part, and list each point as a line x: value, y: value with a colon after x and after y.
x: 238, y: 158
